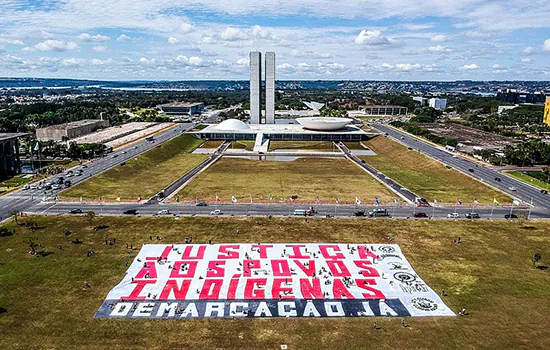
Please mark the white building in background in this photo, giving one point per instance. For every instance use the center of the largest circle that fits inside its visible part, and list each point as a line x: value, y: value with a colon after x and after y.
x: 255, y: 87
x: 423, y: 100
x: 438, y: 103
x: 270, y: 87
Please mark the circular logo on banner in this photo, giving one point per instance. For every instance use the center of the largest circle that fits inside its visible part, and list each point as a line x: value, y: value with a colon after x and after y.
x: 424, y: 304
x: 404, y: 277
x: 387, y: 249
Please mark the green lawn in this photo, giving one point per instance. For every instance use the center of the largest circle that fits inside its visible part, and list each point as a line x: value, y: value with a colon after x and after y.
x: 307, y: 178
x: 427, y: 177
x: 508, y: 300
x: 533, y: 181
x: 145, y: 175
x: 326, y: 146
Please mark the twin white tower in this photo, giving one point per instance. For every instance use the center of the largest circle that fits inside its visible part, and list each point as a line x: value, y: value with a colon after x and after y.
x: 256, y: 86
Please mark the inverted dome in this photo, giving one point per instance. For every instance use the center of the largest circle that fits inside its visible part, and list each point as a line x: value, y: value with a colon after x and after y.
x: 324, y: 123
x: 232, y: 124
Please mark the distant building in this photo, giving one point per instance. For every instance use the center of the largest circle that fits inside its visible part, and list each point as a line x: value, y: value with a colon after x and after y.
x: 423, y: 100
x: 518, y: 96
x: 270, y: 87
x: 182, y: 108
x: 438, y: 103
x: 385, y: 110
x: 255, y: 87
x: 70, y: 130
x: 505, y: 108
x: 10, y: 163
x: 547, y: 111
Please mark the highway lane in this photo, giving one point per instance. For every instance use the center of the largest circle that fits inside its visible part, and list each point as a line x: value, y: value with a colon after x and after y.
x: 23, y: 200
x: 481, y: 173
x: 264, y: 210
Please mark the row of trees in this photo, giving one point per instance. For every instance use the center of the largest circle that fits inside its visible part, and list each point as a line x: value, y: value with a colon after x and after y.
x: 416, y: 130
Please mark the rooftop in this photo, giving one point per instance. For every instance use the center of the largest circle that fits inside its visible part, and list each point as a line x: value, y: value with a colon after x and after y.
x: 278, y: 129
x: 180, y: 104
x: 73, y: 124
x: 4, y: 136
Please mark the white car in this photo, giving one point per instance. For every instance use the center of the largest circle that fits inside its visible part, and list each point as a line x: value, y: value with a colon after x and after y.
x: 216, y: 212
x: 26, y: 187
x: 33, y: 187
x: 453, y: 215
x: 56, y: 187
x: 512, y: 188
x: 164, y: 212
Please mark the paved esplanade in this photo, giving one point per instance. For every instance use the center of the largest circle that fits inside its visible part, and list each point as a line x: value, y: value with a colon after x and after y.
x: 524, y: 192
x: 30, y: 200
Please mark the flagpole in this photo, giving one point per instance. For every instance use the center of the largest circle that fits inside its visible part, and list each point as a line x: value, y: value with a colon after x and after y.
x: 529, y: 212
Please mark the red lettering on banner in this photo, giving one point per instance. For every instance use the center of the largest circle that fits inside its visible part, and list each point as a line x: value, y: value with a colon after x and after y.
x: 187, y: 252
x: 140, y: 284
x: 325, y: 251
x: 172, y: 286
x: 248, y: 265
x: 233, y: 285
x: 374, y: 293
x: 365, y: 253
x: 280, y: 268
x: 225, y: 251
x: 311, y: 289
x: 211, y: 289
x: 150, y: 270
x: 165, y: 252
x: 338, y: 268
x: 214, y: 270
x: 281, y: 292
x: 178, y: 273
x: 250, y: 291
x: 263, y: 249
x: 339, y: 290
x: 297, y: 251
x: 367, y: 269
x: 310, y: 270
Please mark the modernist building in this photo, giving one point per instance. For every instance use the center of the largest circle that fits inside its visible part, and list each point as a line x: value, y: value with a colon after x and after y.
x: 182, y: 108
x: 70, y: 130
x: 10, y: 163
x: 255, y: 87
x: 270, y: 87
x: 547, y: 111
x: 518, y: 96
x: 438, y: 103
x: 385, y: 110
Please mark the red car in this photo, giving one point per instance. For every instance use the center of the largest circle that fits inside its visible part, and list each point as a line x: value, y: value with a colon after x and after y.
x: 420, y: 214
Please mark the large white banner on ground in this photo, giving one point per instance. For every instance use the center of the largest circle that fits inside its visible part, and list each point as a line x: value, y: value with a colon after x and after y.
x: 271, y: 280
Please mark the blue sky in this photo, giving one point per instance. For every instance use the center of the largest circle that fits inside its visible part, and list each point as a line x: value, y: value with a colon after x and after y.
x: 313, y: 39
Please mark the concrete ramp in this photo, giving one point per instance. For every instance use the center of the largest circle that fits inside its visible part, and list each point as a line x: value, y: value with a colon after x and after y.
x: 261, y: 145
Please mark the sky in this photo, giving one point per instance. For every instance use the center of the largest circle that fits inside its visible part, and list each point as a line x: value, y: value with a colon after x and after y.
x: 313, y: 39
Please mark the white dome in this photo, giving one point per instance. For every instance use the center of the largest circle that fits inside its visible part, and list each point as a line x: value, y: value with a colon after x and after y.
x: 324, y: 123
x: 232, y: 124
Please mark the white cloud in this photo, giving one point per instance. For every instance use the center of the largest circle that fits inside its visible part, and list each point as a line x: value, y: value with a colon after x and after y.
x: 172, y: 40
x: 242, y: 61
x: 99, y: 48
x: 57, y: 45
x: 191, y: 61
x: 421, y: 26
x: 372, y: 38
x: 125, y: 38
x: 187, y: 28
x: 72, y: 62
x: 528, y: 50
x: 87, y: 38
x: 470, y: 66
x: 439, y: 49
x: 98, y: 62
x: 15, y: 42
x: 439, y: 38
x: 408, y: 66
x: 233, y: 34
x: 526, y: 59
x: 310, y: 54
x: 478, y: 34
x: 546, y: 45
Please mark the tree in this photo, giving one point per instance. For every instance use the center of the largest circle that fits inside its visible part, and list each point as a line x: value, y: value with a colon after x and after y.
x: 14, y: 214
x: 536, y: 258
x: 90, y: 216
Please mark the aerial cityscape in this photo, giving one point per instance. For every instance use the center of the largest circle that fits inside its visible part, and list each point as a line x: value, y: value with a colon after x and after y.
x: 199, y: 175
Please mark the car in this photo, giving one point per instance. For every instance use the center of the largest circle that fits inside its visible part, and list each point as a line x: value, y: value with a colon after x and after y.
x: 498, y: 179
x: 84, y: 166
x: 216, y: 212
x: 135, y: 147
x: 544, y: 191
x: 512, y: 188
x: 124, y: 152
x: 378, y: 212
x: 510, y: 216
x: 69, y: 174
x: 359, y: 213
x: 78, y: 174
x: 201, y: 204
x: 67, y: 183
x: 26, y: 187
x: 453, y: 215
x: 472, y: 215
x: 164, y: 212
x: 55, y: 187
x: 420, y: 214
x: 130, y: 212
x: 471, y: 170
x: 114, y: 155
x: 76, y: 211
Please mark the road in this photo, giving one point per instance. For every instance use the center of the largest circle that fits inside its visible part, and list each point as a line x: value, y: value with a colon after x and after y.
x: 481, y: 173
x: 24, y: 200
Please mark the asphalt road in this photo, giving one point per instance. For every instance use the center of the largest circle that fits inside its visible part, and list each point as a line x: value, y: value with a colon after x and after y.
x: 25, y: 200
x: 481, y: 173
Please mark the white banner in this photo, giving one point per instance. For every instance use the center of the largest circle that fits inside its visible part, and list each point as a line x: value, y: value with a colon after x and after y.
x: 270, y: 280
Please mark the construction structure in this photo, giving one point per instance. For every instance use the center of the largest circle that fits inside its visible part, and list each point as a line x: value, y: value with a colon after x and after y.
x: 547, y: 111
x: 385, y: 110
x: 256, y: 86
x: 10, y: 164
x: 67, y: 131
